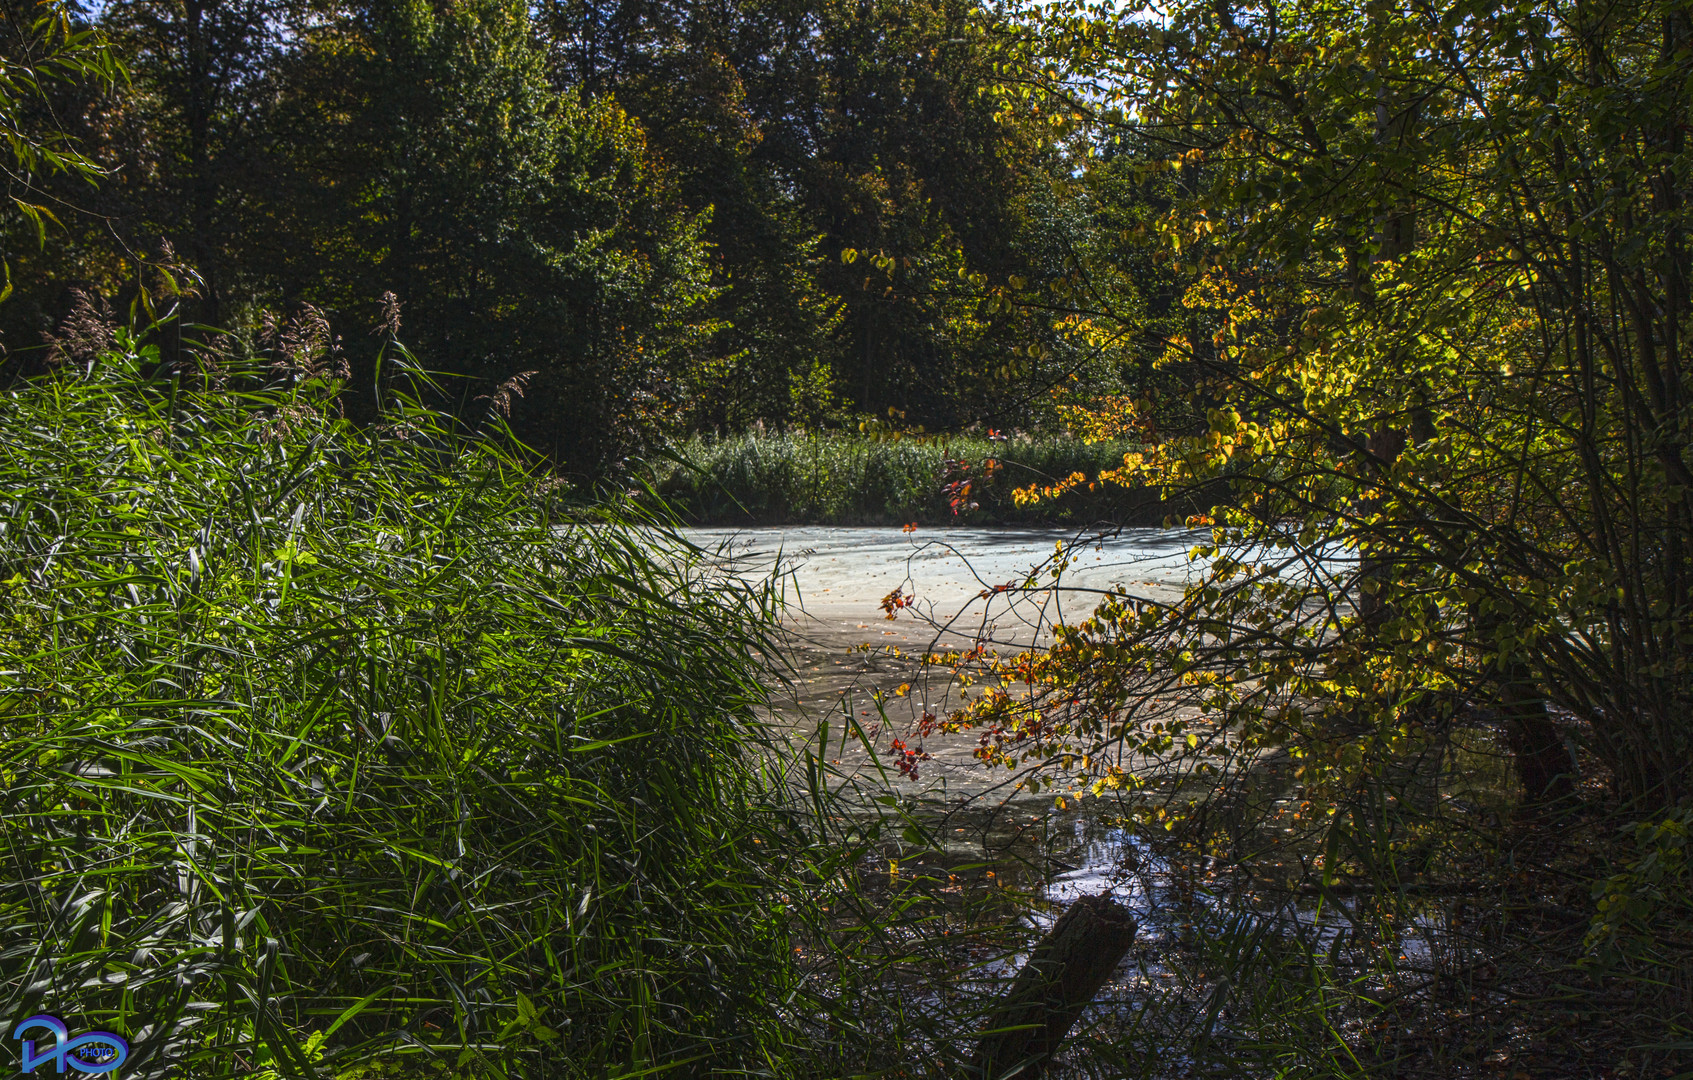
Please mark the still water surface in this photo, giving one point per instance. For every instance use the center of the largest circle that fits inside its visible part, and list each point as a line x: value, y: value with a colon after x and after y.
x: 844, y: 662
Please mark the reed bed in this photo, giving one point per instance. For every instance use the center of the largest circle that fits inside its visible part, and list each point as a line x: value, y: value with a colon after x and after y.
x: 342, y: 751
x: 840, y: 479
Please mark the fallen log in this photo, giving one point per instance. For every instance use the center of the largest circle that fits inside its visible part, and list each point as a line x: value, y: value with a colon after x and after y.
x: 1062, y: 975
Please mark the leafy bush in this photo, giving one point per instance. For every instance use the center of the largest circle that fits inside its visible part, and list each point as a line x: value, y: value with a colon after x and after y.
x: 329, y: 749
x: 849, y: 480
x: 1639, y: 929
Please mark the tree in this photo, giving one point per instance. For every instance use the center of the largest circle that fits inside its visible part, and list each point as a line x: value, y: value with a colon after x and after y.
x: 184, y: 174
x: 43, y: 46
x: 1439, y: 254
x: 418, y: 148
x: 520, y: 176
x: 814, y: 132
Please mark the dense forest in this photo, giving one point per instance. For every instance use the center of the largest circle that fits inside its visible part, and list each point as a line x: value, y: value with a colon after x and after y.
x: 364, y: 712
x: 660, y: 219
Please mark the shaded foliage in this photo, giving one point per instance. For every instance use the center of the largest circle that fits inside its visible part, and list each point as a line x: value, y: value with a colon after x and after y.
x: 658, y: 208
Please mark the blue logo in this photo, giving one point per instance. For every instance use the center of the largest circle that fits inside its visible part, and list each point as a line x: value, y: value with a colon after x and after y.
x: 91, y: 1052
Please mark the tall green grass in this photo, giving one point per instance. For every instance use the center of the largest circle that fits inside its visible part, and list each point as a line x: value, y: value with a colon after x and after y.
x: 332, y: 751
x: 828, y: 479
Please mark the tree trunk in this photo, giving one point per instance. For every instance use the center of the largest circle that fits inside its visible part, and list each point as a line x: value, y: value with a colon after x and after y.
x: 1063, y: 974
x: 1543, y: 762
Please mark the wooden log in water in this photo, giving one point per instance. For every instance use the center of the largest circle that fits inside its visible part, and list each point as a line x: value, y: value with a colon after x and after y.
x: 1062, y: 975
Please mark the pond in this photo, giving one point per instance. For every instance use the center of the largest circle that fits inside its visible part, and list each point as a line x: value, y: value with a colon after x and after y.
x: 853, y: 675
x: 847, y: 653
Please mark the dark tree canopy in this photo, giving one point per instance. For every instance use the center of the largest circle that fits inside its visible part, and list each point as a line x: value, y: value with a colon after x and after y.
x: 658, y: 209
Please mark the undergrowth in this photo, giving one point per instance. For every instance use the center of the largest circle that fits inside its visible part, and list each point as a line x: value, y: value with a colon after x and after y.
x: 341, y: 751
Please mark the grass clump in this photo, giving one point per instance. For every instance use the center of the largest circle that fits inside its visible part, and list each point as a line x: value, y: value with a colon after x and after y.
x: 329, y: 751
x: 831, y: 479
